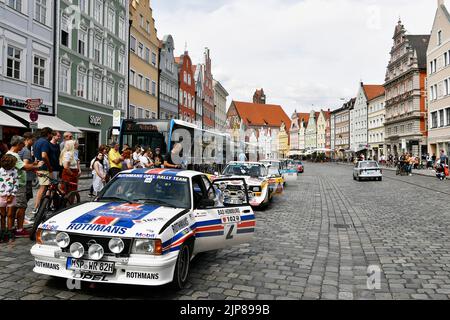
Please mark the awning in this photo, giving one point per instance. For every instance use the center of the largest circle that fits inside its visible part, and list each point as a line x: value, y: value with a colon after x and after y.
x: 48, y: 121
x: 8, y: 121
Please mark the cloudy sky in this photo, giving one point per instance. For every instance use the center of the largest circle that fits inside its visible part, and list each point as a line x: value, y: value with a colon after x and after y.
x: 304, y: 53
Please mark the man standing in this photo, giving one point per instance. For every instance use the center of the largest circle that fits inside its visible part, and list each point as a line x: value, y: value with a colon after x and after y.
x: 42, y: 153
x: 443, y: 158
x: 28, y: 159
x: 67, y: 136
x: 170, y: 158
x: 115, y: 160
x: 17, y: 144
x: 55, y: 152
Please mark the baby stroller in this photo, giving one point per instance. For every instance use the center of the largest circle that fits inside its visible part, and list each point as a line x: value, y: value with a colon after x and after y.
x: 442, y: 172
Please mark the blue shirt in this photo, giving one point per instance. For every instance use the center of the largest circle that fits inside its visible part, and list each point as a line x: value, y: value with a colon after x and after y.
x: 42, y: 145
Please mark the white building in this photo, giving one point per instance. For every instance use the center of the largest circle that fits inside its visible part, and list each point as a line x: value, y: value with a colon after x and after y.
x: 220, y: 103
x: 359, y: 117
x: 376, y: 129
x: 26, y: 61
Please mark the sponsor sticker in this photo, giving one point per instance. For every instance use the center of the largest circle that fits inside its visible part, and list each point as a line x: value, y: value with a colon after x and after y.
x: 231, y: 219
x: 91, y: 277
x: 145, y: 235
x: 97, y: 228
x: 49, y: 227
x: 180, y: 225
x: 47, y: 265
x: 152, y: 177
x: 231, y: 211
x: 142, y: 275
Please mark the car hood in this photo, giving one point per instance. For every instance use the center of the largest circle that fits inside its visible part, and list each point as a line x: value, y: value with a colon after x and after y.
x: 113, y: 219
x: 249, y: 180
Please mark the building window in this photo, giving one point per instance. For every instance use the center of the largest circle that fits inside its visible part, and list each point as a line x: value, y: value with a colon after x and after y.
x: 140, y: 52
x: 39, y: 71
x: 121, y: 64
x: 97, y: 91
x: 15, y: 4
x: 140, y: 84
x: 154, y: 59
x: 121, y: 99
x: 110, y: 57
x: 133, y: 44
x: 109, y: 95
x: 64, y: 31
x: 447, y: 113
x: 81, y: 85
x: 122, y: 28
x: 439, y: 39
x: 154, y: 88
x: 132, y: 77
x: 140, y: 114
x: 441, y: 118
x: 82, y: 36
x: 40, y: 13
x: 98, y: 50
x: 147, y: 114
x: 98, y: 11
x: 13, y: 64
x: 147, y: 55
x: 64, y: 77
x: 434, y: 120
x: 132, y: 112
x: 111, y: 20
x: 83, y: 6
x: 147, y: 85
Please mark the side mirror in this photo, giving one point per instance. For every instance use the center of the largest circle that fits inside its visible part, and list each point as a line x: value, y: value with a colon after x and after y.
x: 206, y: 203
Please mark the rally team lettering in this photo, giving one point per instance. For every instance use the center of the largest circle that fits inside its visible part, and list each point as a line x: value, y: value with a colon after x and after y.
x: 142, y: 275
x: 97, y: 228
x: 47, y: 265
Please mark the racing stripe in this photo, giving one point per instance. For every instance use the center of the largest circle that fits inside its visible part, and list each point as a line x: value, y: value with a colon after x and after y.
x: 209, y: 234
x: 249, y: 230
x: 211, y: 228
x: 246, y: 218
x: 247, y: 224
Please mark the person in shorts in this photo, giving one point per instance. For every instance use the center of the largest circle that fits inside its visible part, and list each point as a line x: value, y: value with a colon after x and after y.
x: 9, y: 185
x: 28, y: 158
x: 42, y: 153
x: 17, y: 144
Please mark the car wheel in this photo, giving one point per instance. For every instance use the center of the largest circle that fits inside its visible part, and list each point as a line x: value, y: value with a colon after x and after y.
x: 359, y: 178
x: 181, y: 273
x: 354, y: 178
x: 380, y: 179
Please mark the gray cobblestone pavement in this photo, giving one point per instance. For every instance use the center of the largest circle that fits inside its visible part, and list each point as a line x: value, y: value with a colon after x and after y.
x: 314, y: 242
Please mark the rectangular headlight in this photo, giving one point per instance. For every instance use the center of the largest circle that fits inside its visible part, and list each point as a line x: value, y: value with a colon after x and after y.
x: 256, y: 189
x: 46, y: 237
x: 146, y: 246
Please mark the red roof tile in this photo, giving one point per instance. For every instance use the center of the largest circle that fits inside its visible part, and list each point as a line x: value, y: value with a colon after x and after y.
x: 303, y: 116
x: 262, y: 114
x: 373, y: 91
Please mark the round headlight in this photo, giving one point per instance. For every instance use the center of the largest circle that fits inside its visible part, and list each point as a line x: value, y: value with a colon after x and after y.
x: 96, y: 252
x: 251, y: 194
x: 116, y: 245
x: 223, y: 186
x: 77, y: 250
x: 226, y: 193
x: 62, y: 240
x: 241, y: 194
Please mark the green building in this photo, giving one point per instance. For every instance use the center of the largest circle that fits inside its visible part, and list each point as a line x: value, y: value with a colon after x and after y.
x: 92, y: 68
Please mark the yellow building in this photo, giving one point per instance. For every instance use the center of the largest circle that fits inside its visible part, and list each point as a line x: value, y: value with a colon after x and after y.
x: 283, y: 142
x: 144, y: 64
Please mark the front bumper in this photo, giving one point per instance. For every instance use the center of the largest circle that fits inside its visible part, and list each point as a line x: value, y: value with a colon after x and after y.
x: 135, y: 270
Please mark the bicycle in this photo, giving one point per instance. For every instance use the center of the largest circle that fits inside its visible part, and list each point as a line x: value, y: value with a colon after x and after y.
x: 401, y: 169
x: 54, y: 200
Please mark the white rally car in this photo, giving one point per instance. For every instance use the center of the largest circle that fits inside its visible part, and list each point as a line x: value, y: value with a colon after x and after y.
x: 261, y: 188
x: 143, y: 229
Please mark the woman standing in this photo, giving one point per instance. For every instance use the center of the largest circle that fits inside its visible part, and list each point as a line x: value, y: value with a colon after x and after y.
x: 127, y: 160
x: 70, y: 167
x: 99, y: 173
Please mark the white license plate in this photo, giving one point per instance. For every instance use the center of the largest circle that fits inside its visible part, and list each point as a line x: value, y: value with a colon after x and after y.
x: 90, y: 266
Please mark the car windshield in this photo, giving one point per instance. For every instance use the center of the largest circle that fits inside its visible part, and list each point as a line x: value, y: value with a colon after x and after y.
x: 169, y: 191
x: 273, y: 171
x: 368, y: 165
x: 272, y: 164
x: 252, y: 170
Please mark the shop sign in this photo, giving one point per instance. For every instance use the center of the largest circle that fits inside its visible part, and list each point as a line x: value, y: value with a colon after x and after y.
x: 117, y: 114
x: 23, y: 105
x: 95, y: 120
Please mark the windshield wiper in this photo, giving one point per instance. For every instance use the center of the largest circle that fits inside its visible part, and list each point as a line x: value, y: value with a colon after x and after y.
x: 116, y: 198
x: 157, y: 201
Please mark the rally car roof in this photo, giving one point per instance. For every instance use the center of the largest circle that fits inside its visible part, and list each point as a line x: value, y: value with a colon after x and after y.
x: 164, y: 172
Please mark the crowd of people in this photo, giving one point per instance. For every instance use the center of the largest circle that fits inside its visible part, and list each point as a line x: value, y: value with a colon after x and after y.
x: 26, y: 157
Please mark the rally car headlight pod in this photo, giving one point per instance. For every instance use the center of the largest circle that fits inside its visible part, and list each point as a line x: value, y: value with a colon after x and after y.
x: 62, y: 240
x: 46, y: 237
x: 96, y: 252
x: 76, y: 250
x: 146, y: 246
x: 116, y: 245
x: 255, y: 189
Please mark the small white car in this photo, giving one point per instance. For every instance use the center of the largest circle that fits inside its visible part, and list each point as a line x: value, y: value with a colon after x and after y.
x: 367, y: 170
x: 261, y: 188
x: 143, y: 229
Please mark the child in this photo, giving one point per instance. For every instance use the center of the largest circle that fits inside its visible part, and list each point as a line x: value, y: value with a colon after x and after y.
x: 9, y: 185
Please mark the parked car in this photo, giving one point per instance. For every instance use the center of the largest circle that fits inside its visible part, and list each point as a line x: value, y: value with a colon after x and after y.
x: 367, y: 170
x: 143, y: 229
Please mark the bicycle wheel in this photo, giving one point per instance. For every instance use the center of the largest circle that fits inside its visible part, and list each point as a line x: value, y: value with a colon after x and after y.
x: 40, y: 216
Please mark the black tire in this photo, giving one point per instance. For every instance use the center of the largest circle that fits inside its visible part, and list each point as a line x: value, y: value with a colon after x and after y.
x: 359, y: 179
x: 380, y: 179
x: 181, y: 272
x: 354, y: 178
x: 40, y: 217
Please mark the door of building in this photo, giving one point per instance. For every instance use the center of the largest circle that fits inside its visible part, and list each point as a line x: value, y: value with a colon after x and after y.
x: 89, y: 143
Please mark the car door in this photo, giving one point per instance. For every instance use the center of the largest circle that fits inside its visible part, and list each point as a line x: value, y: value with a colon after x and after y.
x: 218, y: 227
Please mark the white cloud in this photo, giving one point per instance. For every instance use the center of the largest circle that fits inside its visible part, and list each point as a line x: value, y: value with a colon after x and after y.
x: 301, y: 52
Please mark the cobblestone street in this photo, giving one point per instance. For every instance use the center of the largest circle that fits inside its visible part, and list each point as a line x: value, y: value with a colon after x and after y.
x: 314, y: 242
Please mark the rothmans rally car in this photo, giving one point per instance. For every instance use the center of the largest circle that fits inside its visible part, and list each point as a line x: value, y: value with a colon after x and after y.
x: 143, y: 229
x: 261, y: 188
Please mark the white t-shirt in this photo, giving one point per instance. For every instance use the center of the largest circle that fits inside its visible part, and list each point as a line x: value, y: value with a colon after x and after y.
x: 71, y: 159
x: 144, y: 161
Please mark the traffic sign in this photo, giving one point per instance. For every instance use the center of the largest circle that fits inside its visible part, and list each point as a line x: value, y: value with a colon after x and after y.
x: 33, y: 104
x: 33, y: 125
x: 34, y: 116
